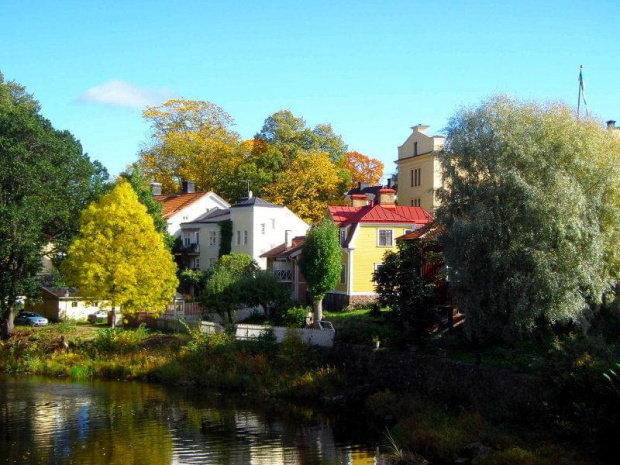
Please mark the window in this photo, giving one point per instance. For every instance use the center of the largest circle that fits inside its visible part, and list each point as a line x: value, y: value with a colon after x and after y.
x: 377, y: 267
x: 212, y: 238
x: 343, y: 236
x: 95, y: 304
x: 273, y: 223
x: 74, y: 304
x: 196, y: 263
x: 238, y: 237
x: 186, y: 239
x: 384, y: 238
x: 245, y: 237
x: 343, y: 273
x: 262, y: 228
x: 415, y: 202
x: 407, y: 231
x: 415, y: 148
x: 212, y: 262
x: 416, y: 176
x: 197, y: 237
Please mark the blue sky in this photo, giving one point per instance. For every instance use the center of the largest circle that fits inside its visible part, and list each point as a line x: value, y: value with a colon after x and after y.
x: 370, y: 68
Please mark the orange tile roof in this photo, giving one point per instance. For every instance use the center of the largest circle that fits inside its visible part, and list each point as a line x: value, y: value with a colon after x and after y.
x: 175, y: 202
x: 344, y: 216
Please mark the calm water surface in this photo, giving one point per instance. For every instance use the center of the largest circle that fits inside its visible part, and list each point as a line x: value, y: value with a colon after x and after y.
x: 53, y: 421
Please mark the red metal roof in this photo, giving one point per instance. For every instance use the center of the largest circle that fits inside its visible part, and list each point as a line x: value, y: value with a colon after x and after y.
x: 344, y: 216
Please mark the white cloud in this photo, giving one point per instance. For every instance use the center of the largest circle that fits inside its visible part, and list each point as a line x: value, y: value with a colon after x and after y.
x: 119, y: 93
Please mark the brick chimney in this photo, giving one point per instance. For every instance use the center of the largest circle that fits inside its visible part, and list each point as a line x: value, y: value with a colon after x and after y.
x: 359, y: 200
x: 386, y: 198
x: 189, y: 187
x: 155, y: 188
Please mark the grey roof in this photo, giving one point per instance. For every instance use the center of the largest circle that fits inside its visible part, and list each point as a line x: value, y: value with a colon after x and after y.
x: 254, y: 201
x: 213, y: 216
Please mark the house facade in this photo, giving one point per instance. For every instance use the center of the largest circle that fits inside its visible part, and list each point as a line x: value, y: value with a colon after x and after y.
x: 186, y: 206
x: 367, y: 231
x: 59, y: 304
x: 419, y: 173
x: 283, y: 262
x: 257, y: 227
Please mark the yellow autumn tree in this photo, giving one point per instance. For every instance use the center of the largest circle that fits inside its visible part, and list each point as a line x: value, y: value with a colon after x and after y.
x: 307, y: 186
x: 119, y: 257
x: 190, y: 139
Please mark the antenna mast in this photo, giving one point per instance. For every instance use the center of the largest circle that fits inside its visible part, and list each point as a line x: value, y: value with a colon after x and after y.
x: 582, y: 93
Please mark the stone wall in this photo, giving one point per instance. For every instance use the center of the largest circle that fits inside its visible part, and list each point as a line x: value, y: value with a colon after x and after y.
x: 500, y: 392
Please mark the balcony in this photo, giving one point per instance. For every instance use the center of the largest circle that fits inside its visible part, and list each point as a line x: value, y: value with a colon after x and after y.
x: 186, y: 249
x: 283, y: 275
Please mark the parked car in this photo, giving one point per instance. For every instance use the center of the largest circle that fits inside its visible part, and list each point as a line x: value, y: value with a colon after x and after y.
x: 100, y: 316
x: 30, y: 319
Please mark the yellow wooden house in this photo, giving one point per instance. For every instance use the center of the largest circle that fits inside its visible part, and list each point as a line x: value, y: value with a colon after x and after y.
x: 368, y: 229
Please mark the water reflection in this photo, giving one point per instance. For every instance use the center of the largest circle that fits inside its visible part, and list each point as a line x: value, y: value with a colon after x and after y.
x: 59, y: 421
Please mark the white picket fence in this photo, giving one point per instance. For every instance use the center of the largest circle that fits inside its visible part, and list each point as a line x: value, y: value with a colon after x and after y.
x: 317, y: 337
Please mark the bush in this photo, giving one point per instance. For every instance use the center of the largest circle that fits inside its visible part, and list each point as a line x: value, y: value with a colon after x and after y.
x: 120, y: 339
x: 295, y: 317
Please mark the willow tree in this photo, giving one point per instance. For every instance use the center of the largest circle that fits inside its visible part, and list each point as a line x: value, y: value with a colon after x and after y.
x: 320, y: 263
x: 119, y: 257
x: 531, y: 208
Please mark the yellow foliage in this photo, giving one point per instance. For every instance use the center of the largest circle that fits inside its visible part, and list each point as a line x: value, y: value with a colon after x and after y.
x: 119, y: 257
x: 191, y: 139
x: 306, y: 186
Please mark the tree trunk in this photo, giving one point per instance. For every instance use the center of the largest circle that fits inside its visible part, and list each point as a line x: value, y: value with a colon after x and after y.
x: 318, y: 311
x: 113, y: 317
x: 6, y: 325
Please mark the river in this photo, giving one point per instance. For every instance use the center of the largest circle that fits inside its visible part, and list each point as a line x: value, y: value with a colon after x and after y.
x: 59, y: 421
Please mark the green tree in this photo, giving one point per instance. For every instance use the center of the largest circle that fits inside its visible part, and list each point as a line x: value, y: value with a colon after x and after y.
x: 532, y: 214
x: 119, y: 257
x: 222, y: 292
x: 320, y: 263
x: 45, y: 181
x: 409, y: 297
x: 264, y: 289
x: 145, y: 196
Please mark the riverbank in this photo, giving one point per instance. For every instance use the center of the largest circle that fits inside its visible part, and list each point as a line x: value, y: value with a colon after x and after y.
x: 442, y: 431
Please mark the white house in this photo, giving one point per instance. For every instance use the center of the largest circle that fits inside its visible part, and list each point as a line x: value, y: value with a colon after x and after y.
x: 186, y: 206
x: 257, y: 227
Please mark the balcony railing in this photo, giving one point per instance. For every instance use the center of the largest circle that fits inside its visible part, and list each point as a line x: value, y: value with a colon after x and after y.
x: 283, y: 275
x: 191, y: 248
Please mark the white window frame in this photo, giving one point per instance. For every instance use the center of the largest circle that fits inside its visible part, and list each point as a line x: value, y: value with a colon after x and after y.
x: 245, y: 237
x: 212, y: 238
x: 379, y: 231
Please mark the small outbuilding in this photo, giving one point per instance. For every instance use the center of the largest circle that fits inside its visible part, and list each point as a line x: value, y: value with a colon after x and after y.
x: 63, y: 303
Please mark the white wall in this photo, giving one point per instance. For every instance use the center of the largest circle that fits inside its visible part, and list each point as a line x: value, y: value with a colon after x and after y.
x: 199, y: 207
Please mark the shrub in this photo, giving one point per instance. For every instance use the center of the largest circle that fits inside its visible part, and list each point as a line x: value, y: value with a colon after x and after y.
x: 296, y: 316
x: 120, y: 339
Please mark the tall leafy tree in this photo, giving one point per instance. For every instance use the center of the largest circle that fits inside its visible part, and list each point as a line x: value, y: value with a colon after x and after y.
x: 320, y: 263
x: 119, y: 257
x: 531, y: 213
x: 306, y: 186
x: 45, y: 181
x: 363, y: 169
x: 142, y: 188
x: 190, y: 139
